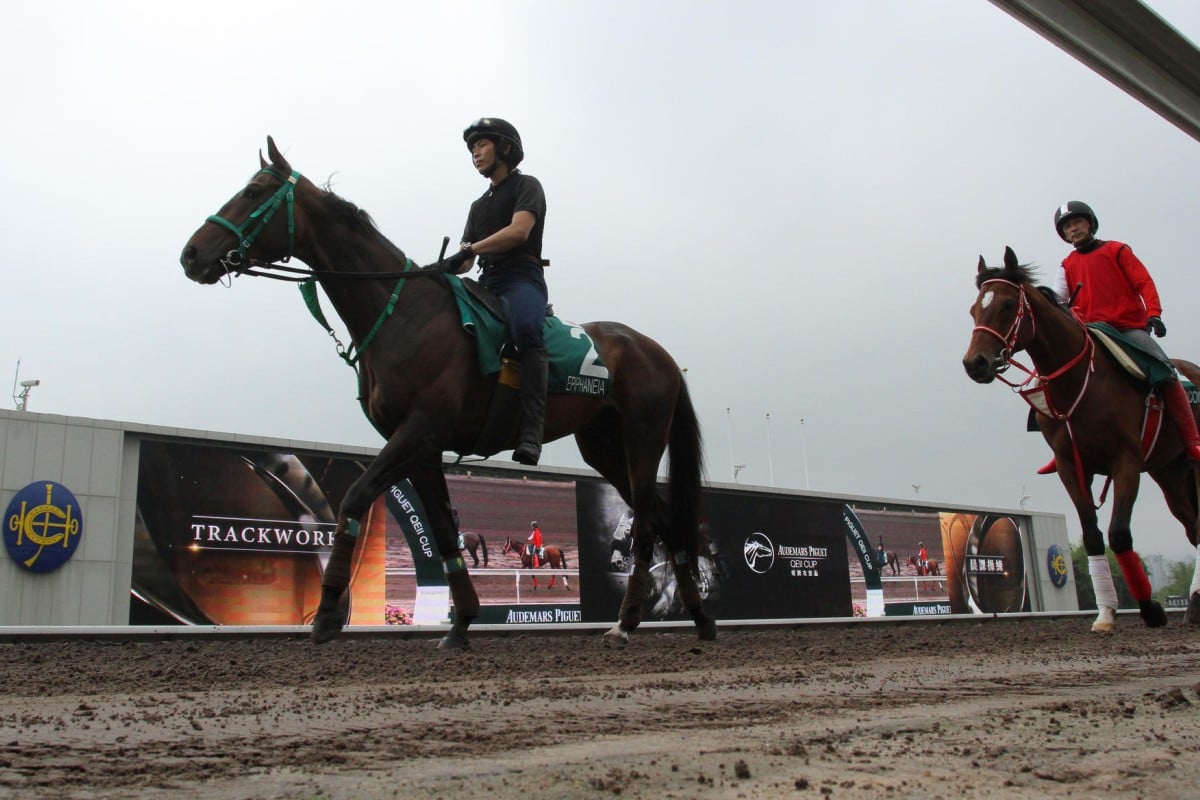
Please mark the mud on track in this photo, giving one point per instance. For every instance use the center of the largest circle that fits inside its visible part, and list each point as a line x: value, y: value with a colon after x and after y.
x: 1031, y: 708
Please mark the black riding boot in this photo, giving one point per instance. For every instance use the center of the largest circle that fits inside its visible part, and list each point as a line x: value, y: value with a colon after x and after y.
x: 534, y: 368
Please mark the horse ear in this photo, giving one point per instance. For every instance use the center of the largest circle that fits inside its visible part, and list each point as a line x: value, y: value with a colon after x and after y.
x: 982, y: 265
x: 1010, y: 258
x: 276, y: 157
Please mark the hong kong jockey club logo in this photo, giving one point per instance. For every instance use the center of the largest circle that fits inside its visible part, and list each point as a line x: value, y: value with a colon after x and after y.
x: 1056, y: 563
x: 42, y: 526
x: 758, y: 552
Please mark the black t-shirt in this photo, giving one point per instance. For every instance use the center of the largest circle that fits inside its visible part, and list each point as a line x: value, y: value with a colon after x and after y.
x: 495, y: 209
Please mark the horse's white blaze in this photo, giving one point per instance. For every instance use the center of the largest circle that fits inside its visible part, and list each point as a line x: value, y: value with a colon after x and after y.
x: 987, y: 298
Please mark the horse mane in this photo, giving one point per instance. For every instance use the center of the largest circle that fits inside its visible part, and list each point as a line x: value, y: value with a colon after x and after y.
x: 355, y: 218
x: 1024, y: 274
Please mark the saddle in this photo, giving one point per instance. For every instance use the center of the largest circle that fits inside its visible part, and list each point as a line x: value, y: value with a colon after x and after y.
x: 488, y: 299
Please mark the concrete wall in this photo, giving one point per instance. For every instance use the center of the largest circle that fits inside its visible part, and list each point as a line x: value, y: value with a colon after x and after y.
x: 89, y: 457
x: 1048, y: 530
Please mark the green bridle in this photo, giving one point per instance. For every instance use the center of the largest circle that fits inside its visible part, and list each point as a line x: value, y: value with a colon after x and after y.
x: 238, y: 262
x: 249, y: 230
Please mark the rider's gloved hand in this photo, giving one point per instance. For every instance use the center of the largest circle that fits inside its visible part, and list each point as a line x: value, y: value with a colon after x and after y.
x: 452, y: 262
x: 1155, y: 325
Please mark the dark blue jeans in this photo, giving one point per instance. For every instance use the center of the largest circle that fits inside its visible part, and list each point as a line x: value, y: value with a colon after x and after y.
x: 522, y: 288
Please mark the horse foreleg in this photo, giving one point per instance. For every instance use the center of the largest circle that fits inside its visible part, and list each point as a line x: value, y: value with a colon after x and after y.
x: 331, y: 613
x: 1093, y: 544
x: 1192, y: 615
x: 1120, y: 539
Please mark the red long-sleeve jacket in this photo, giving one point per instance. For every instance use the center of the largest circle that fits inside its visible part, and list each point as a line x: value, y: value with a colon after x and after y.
x: 1115, y: 286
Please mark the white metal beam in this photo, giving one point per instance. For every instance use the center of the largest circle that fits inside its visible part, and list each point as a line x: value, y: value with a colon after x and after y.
x: 1128, y: 44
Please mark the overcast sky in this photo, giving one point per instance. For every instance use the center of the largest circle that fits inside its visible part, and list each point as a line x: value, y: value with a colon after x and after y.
x: 790, y: 196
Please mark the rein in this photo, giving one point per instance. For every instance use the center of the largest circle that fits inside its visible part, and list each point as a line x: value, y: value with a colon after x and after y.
x: 1035, y: 389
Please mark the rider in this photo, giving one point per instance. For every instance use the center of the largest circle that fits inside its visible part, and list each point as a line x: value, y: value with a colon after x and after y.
x: 1111, y: 285
x: 535, y: 544
x: 882, y: 553
x: 922, y: 556
x: 504, y: 229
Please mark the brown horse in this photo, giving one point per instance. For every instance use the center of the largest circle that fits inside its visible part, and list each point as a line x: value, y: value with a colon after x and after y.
x: 473, y: 543
x: 1091, y: 413
x: 889, y: 558
x: 932, y: 568
x: 552, y: 557
x: 420, y: 385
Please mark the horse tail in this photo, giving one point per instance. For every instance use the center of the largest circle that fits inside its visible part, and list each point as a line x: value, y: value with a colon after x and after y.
x: 686, y: 471
x: 483, y: 547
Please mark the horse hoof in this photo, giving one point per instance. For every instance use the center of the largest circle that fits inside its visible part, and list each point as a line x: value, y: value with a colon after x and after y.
x: 454, y: 641
x: 1106, y: 622
x: 615, y: 637
x: 706, y: 630
x: 1152, y: 614
x: 326, y: 627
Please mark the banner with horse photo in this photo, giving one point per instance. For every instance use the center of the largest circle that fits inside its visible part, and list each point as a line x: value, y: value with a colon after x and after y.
x: 518, y: 582
x: 939, y: 562
x: 758, y: 557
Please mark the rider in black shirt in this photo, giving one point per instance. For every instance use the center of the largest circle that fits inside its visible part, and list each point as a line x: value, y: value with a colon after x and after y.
x: 504, y: 230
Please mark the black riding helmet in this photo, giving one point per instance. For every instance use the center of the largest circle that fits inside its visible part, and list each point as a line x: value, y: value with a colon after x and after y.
x: 1071, y: 209
x: 500, y: 131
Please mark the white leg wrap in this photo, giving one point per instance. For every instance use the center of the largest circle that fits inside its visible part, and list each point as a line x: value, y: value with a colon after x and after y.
x: 1196, y: 575
x: 1102, y: 582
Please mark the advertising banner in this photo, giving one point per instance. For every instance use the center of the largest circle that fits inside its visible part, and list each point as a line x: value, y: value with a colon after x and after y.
x: 760, y: 557
x: 239, y: 536
x: 228, y: 536
x: 785, y: 557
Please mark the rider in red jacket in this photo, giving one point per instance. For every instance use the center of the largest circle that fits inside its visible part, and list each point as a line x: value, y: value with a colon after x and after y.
x: 535, y: 544
x: 1111, y: 285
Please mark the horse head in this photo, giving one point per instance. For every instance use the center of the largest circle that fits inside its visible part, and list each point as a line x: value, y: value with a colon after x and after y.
x: 257, y: 224
x: 1000, y: 312
x: 509, y: 546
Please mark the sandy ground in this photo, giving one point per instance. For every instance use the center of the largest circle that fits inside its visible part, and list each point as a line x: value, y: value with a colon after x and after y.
x: 994, y: 709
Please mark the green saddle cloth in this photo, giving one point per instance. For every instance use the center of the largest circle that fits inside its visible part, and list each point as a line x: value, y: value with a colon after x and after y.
x: 575, y: 365
x: 1150, y: 364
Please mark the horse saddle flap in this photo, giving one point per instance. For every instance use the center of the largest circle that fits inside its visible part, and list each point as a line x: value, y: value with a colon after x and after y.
x: 1118, y: 352
x: 485, y: 298
x: 491, y: 301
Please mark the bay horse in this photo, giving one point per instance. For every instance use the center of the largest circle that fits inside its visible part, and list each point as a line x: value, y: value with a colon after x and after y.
x: 933, y: 568
x: 421, y: 387
x: 1091, y: 413
x: 474, y: 543
x: 552, y: 556
x: 889, y: 558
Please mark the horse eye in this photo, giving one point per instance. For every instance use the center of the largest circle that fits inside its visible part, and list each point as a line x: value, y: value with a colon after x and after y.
x: 251, y: 193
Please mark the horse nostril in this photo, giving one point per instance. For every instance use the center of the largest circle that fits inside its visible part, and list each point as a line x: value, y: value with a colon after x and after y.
x: 188, y: 256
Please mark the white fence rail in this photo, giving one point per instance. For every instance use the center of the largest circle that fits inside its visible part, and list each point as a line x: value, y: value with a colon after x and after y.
x: 515, y: 574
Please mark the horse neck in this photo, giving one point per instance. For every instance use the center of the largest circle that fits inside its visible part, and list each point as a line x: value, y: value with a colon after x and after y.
x: 1058, y: 335
x: 338, y: 245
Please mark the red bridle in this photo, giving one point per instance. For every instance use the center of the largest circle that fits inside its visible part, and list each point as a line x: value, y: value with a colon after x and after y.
x: 1035, y: 389
x: 1009, y: 342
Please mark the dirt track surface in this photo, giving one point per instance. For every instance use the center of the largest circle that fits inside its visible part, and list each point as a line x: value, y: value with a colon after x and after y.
x: 1033, y: 708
